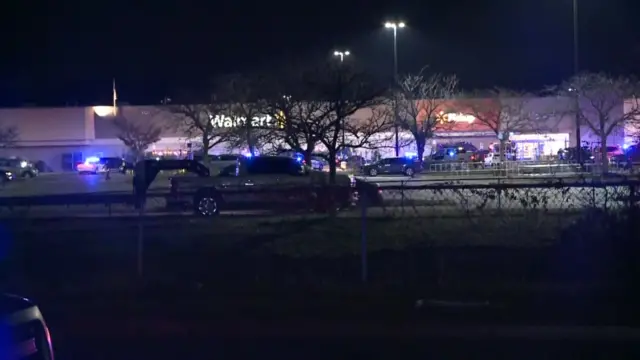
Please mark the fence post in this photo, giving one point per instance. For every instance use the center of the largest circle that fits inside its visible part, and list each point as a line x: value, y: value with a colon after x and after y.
x: 363, y: 237
x: 140, y: 260
x: 402, y: 183
x: 499, y: 191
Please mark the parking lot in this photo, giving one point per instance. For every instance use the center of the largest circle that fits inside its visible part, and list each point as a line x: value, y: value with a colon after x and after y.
x: 422, y: 201
x: 72, y: 183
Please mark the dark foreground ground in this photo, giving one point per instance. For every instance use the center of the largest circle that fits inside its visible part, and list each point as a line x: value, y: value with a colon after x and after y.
x: 225, y: 289
x: 331, y: 347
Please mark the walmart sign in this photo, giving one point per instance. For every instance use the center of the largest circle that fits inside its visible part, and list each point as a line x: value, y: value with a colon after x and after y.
x: 222, y: 121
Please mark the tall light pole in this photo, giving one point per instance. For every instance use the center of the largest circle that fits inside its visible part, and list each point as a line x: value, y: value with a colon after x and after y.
x: 576, y: 70
x: 395, y: 26
x: 341, y: 55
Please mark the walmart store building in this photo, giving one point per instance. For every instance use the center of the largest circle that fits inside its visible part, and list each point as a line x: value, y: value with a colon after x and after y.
x: 62, y: 137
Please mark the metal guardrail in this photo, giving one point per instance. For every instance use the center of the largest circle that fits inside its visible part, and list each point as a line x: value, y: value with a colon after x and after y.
x: 433, y: 195
x: 504, y: 168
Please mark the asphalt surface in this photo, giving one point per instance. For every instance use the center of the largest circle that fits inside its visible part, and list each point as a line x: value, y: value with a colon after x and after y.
x: 419, y: 201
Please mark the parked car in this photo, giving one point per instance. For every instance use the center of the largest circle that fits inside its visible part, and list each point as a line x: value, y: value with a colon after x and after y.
x: 396, y: 165
x: 453, y: 154
x: 95, y: 165
x: 260, y: 183
x: 317, y: 162
x: 479, y: 156
x: 571, y: 154
x: 491, y: 159
x: 612, y: 152
x: 19, y: 167
x: 28, y: 334
x: 630, y: 157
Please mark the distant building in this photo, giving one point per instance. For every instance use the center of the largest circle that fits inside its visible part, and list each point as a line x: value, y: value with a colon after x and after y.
x: 62, y: 137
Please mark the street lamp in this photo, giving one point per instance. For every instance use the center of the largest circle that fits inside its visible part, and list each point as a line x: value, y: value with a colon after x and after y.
x: 341, y: 54
x: 395, y: 26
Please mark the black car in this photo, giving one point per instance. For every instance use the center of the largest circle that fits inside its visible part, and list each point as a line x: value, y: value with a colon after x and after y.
x: 19, y: 167
x: 393, y: 166
x: 571, y: 154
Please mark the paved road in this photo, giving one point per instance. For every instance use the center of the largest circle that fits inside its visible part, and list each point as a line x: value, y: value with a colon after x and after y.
x: 422, y: 201
x: 70, y: 183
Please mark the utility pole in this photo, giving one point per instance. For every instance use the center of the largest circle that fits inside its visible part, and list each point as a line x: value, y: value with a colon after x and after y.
x: 341, y: 55
x: 395, y: 26
x: 576, y: 70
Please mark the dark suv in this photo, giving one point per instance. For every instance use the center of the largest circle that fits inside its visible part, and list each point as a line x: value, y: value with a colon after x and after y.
x: 397, y: 166
x: 260, y: 183
x: 19, y: 167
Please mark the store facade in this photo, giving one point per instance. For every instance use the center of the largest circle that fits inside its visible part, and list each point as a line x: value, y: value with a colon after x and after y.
x: 62, y: 137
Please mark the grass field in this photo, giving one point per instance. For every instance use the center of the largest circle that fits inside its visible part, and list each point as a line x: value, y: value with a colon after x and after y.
x: 198, y: 273
x: 263, y: 251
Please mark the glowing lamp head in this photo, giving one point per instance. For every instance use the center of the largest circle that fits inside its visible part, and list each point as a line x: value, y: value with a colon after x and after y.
x: 625, y: 146
x: 103, y: 110
x: 23, y: 164
x: 247, y: 155
x: 347, y: 53
x: 393, y: 25
x: 336, y: 53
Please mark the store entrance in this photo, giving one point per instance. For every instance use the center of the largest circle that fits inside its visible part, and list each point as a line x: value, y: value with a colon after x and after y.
x: 530, y: 150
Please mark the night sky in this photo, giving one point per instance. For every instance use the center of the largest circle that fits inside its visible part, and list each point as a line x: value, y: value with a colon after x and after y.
x: 56, y: 53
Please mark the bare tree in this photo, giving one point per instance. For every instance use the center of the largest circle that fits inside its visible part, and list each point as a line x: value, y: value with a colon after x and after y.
x: 207, y: 122
x: 8, y: 136
x: 316, y: 106
x: 419, y: 98
x: 344, y: 91
x: 299, y: 113
x: 299, y: 122
x: 505, y: 112
x: 253, y: 126
x: 605, y: 104
x: 137, y: 137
